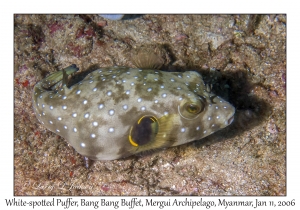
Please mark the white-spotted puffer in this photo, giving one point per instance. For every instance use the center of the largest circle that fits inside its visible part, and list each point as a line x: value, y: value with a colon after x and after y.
x: 118, y: 111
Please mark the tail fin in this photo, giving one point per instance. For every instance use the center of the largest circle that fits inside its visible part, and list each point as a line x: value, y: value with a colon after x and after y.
x: 55, y: 78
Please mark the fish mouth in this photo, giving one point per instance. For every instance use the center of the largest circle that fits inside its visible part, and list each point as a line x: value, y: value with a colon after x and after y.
x: 230, y: 120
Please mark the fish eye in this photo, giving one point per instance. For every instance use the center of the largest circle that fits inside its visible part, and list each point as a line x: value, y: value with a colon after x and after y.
x: 143, y: 131
x: 191, y: 110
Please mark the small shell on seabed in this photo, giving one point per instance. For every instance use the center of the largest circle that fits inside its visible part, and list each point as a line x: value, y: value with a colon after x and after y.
x: 149, y: 57
x: 271, y: 127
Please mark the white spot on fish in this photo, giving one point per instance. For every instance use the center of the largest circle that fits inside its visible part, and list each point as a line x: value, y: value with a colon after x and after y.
x: 149, y: 89
x: 109, y: 93
x: 86, y: 115
x: 82, y: 144
x: 111, y: 130
x: 101, y: 106
x: 95, y: 89
x: 93, y: 135
x: 74, y: 114
x: 65, y: 127
x: 164, y: 95
x: 59, y: 118
x: 95, y: 124
x: 182, y: 130
x: 111, y: 112
x: 64, y: 107
x: 75, y: 130
x: 143, y: 108
x: 125, y: 107
x: 78, y: 92
x: 139, y: 100
x: 84, y: 102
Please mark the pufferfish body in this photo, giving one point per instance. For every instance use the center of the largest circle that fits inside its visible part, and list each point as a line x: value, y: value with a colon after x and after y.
x: 116, y: 112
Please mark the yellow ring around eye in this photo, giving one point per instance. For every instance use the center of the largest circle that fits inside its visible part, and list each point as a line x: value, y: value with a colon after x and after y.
x: 139, y: 121
x: 152, y: 118
x: 130, y: 139
x: 144, y: 131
